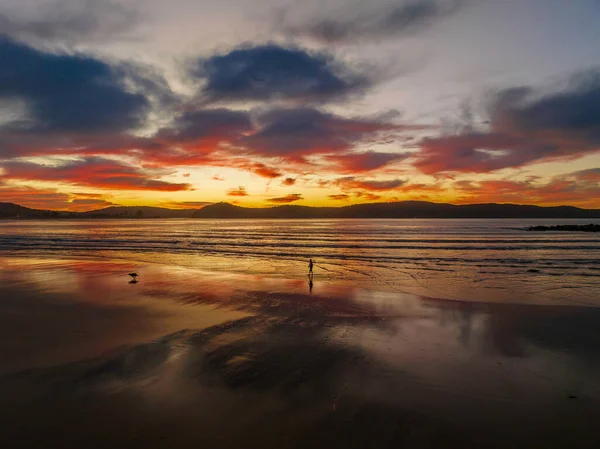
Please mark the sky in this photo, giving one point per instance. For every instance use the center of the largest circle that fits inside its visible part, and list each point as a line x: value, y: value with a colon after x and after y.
x: 317, y: 102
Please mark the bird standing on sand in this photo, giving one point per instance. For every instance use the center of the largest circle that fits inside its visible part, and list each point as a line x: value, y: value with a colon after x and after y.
x: 134, y: 276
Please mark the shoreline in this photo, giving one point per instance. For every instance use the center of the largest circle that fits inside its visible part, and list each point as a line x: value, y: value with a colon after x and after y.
x: 431, y: 288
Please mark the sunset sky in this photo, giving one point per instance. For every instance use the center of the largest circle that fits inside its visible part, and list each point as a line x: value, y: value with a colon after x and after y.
x: 181, y: 103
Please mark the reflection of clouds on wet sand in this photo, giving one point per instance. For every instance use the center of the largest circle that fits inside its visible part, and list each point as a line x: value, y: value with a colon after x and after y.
x: 279, y: 367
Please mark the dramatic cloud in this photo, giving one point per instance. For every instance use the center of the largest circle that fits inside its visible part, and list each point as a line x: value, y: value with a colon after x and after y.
x: 298, y: 132
x: 286, y: 199
x: 94, y: 172
x: 233, y: 138
x: 191, y: 139
x: 526, y: 126
x: 591, y: 174
x: 581, y: 188
x: 240, y: 191
x: 67, y: 92
x: 366, y: 22
x: 271, y: 72
x: 79, y: 111
x: 476, y: 152
x: 350, y: 183
x: 364, y: 162
x: 211, y: 125
x: 70, y: 20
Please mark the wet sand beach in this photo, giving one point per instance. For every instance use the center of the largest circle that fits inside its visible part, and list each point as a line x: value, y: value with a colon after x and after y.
x: 187, y: 358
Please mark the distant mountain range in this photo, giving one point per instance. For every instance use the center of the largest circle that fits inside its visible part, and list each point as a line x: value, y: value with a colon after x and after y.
x: 138, y: 212
x: 404, y: 209
x: 10, y: 210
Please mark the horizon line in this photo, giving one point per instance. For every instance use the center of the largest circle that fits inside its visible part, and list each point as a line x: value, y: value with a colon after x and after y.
x: 300, y: 205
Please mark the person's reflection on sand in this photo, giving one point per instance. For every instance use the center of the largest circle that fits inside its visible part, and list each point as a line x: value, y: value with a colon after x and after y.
x: 310, y: 283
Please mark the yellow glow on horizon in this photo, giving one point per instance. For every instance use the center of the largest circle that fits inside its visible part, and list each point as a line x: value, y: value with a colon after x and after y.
x: 210, y: 185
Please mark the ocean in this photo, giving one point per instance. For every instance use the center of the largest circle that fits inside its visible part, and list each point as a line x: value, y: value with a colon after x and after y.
x: 474, y: 259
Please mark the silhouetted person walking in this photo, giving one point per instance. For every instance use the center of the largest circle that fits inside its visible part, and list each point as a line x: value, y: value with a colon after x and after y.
x: 310, y: 266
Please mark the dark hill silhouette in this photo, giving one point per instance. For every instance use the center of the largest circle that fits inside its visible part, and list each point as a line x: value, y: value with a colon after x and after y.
x: 138, y: 212
x: 11, y: 210
x: 405, y: 209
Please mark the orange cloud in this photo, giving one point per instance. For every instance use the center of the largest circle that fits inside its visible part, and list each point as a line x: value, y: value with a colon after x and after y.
x: 52, y: 199
x: 292, y: 197
x: 86, y: 204
x: 184, y: 204
x: 339, y: 197
x: 367, y: 196
x: 35, y: 198
x: 260, y: 169
x: 240, y: 191
x: 578, y: 188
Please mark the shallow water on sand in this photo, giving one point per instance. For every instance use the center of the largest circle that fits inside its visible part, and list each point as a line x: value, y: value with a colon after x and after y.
x: 476, y: 260
x: 189, y: 358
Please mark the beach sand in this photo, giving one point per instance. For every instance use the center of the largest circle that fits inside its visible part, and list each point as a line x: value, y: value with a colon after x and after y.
x: 186, y: 358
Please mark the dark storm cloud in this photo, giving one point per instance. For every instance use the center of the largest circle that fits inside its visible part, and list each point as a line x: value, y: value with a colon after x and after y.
x: 591, y: 174
x: 226, y: 137
x: 351, y: 24
x: 271, y: 72
x: 208, y: 124
x: 576, y: 110
x: 297, y: 132
x: 67, y: 92
x: 69, y: 20
x: 526, y: 126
